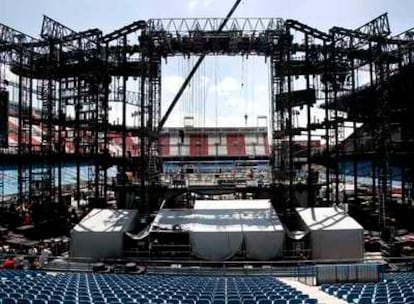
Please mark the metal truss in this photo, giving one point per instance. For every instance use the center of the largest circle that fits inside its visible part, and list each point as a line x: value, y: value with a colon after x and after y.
x: 53, y: 30
x: 13, y: 45
x: 186, y: 26
x: 9, y: 35
x: 379, y: 27
x: 131, y: 28
x: 359, y: 38
x: 92, y: 35
x: 220, y: 28
x: 306, y: 29
x: 376, y: 30
x: 84, y: 71
x: 406, y: 35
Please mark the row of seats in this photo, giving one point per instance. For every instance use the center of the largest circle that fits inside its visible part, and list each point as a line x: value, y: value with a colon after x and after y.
x: 74, y: 288
x: 394, y: 289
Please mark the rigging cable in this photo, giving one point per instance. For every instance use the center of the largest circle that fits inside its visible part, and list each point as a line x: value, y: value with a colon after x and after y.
x: 215, y: 91
x: 242, y: 90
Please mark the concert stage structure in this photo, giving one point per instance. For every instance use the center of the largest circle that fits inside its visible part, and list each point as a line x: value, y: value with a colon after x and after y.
x: 68, y: 84
x: 219, y: 230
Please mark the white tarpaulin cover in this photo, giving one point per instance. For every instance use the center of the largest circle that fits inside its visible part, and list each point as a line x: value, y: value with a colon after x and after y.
x: 218, y: 228
x: 334, y: 234
x: 100, y: 234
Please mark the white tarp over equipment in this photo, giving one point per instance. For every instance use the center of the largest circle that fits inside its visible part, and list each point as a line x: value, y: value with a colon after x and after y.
x: 100, y: 234
x: 334, y: 234
x: 218, y: 229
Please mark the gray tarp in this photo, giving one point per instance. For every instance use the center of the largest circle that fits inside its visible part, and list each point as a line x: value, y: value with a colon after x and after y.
x: 334, y: 234
x: 218, y: 229
x: 100, y: 234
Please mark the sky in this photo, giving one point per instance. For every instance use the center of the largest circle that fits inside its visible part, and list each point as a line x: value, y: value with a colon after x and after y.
x: 225, y: 89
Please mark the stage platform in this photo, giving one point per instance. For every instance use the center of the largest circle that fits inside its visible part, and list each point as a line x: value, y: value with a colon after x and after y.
x: 219, y: 229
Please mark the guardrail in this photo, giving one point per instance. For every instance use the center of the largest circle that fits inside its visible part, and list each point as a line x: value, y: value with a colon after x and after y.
x: 305, y: 271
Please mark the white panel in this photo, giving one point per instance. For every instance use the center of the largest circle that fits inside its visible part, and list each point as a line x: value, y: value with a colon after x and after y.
x: 173, y: 150
x: 222, y: 150
x: 185, y: 150
x: 177, y: 148
x: 233, y: 204
x: 249, y: 139
x: 250, y: 150
x: 260, y: 150
x: 212, y: 150
x: 213, y: 139
x: 174, y: 140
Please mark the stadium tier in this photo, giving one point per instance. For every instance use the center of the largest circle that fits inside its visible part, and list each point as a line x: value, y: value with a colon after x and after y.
x: 201, y: 142
x: 28, y: 287
x: 172, y: 142
x: 10, y: 177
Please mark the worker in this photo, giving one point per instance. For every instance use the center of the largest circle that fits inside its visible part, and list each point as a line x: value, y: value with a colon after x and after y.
x: 9, y: 263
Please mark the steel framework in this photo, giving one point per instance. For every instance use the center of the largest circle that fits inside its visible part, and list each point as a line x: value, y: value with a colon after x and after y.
x: 77, y: 79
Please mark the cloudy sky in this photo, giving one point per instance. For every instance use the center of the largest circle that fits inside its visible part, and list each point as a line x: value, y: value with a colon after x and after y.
x: 226, y: 88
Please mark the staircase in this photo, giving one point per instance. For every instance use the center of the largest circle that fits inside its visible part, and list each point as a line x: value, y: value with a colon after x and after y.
x: 313, y: 292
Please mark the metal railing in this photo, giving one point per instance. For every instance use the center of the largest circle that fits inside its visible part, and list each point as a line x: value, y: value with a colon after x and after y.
x: 304, y: 271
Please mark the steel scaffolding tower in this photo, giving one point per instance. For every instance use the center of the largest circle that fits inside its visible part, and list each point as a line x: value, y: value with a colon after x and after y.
x: 79, y: 79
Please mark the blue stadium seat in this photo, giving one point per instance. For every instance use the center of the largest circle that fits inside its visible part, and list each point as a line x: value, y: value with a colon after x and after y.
x: 366, y: 300
x: 70, y: 288
x: 280, y: 301
x: 42, y: 297
x: 351, y: 296
x: 3, y: 294
x: 15, y: 295
x: 260, y: 297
